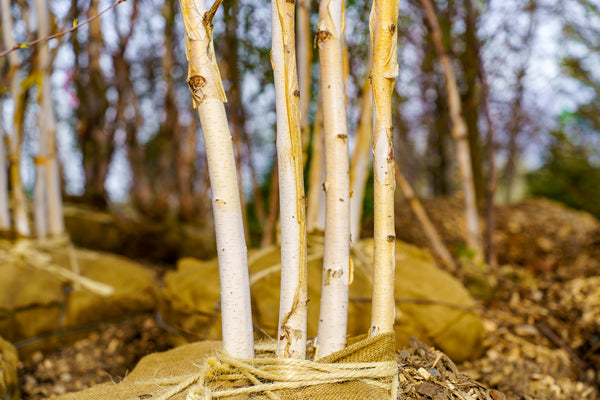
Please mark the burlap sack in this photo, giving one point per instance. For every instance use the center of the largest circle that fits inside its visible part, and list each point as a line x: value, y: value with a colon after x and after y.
x: 9, y: 385
x: 364, y: 370
x: 35, y: 301
x: 431, y: 304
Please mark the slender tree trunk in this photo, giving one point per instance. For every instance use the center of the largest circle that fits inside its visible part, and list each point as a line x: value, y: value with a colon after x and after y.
x: 460, y: 134
x: 359, y: 164
x: 292, y: 307
x: 514, y: 129
x: 268, y: 236
x: 305, y: 55
x: 491, y: 254
x: 17, y: 192
x: 186, y: 157
x: 208, y: 96
x: 472, y: 103
x: 437, y: 245
x: 315, y: 214
x: 4, y: 206
x: 333, y: 319
x: 47, y: 125
x: 384, y: 41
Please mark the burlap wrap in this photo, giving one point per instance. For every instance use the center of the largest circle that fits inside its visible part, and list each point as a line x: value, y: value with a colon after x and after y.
x: 199, y: 371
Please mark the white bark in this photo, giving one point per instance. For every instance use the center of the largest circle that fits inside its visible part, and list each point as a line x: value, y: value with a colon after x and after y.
x: 47, y: 125
x: 333, y: 319
x: 384, y: 39
x: 208, y: 96
x: 292, y: 305
x: 17, y: 193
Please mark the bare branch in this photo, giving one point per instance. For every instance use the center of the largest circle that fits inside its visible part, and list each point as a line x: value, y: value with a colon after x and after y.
x: 59, y: 34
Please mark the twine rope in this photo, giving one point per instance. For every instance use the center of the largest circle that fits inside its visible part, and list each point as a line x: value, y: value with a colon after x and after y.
x: 267, y: 375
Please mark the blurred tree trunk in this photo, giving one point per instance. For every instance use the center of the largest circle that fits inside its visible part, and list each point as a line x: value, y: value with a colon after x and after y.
x: 436, y: 243
x: 305, y: 56
x: 515, y: 125
x: 460, y: 134
x: 187, y: 142
x: 4, y: 195
x: 472, y: 101
x: 19, y: 98
x: 230, y: 69
x: 47, y: 158
x: 5, y: 223
x: 95, y: 140
x: 491, y: 253
x: 268, y: 235
x: 514, y: 129
x: 359, y: 163
x: 437, y: 161
x: 315, y: 210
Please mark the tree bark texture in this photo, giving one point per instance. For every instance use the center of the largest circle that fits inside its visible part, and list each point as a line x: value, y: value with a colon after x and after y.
x: 291, y: 336
x: 208, y: 96
x: 384, y: 42
x: 333, y: 317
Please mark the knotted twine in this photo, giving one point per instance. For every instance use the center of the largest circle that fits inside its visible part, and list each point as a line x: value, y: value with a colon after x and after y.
x: 223, y: 376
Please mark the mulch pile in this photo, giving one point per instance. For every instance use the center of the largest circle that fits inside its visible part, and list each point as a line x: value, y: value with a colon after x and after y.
x: 542, y: 321
x: 105, y: 355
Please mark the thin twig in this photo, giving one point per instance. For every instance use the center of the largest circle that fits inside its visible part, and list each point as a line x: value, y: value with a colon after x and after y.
x: 59, y: 34
x: 547, y: 331
x: 210, y: 14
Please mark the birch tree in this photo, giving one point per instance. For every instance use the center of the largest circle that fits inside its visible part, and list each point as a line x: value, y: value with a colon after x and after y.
x: 46, y: 163
x: 17, y: 193
x: 333, y: 319
x: 384, y: 41
x: 208, y: 97
x: 460, y: 135
x: 292, y: 307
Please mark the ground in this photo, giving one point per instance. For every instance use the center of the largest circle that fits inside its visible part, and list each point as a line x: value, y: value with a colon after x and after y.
x: 541, y: 310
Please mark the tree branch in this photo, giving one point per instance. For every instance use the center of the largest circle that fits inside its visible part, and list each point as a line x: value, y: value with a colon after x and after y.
x: 59, y: 34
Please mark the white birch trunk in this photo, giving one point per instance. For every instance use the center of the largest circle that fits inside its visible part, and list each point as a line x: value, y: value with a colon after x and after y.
x: 208, y: 96
x: 384, y: 42
x: 292, y: 304
x: 47, y: 124
x: 40, y: 210
x: 359, y: 164
x: 40, y: 215
x: 333, y: 318
x: 17, y: 192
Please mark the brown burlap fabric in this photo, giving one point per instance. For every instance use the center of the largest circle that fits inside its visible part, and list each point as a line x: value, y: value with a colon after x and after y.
x: 364, y: 370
